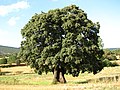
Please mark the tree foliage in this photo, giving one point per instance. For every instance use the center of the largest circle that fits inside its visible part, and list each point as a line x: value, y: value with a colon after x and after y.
x: 62, y: 41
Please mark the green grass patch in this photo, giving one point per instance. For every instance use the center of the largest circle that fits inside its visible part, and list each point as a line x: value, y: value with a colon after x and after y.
x: 26, y: 79
x: 9, y: 80
x: 35, y: 79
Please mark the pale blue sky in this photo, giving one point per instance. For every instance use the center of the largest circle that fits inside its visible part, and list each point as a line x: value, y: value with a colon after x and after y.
x: 14, y: 14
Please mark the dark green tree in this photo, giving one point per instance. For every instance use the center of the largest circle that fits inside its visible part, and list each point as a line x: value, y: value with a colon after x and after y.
x: 3, y: 60
x: 12, y: 58
x: 62, y: 41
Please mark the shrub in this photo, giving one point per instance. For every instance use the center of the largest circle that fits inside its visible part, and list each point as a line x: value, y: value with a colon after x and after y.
x: 107, y: 63
x: 3, y: 61
x: 12, y: 59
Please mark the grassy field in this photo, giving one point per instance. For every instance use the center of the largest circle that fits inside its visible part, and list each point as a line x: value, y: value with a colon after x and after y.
x: 24, y: 78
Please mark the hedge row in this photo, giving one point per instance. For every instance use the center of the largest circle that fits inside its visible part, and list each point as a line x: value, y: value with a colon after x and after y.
x: 3, y: 61
x: 9, y: 61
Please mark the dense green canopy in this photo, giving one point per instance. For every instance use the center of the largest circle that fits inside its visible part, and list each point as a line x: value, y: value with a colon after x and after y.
x: 62, y: 41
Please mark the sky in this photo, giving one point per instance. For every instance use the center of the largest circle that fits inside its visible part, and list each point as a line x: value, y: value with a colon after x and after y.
x: 14, y: 14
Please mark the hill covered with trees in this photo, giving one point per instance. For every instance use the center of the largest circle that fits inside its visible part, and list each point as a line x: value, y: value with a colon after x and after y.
x: 8, y: 50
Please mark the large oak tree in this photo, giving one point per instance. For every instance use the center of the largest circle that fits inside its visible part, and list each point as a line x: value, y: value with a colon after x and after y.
x: 62, y: 41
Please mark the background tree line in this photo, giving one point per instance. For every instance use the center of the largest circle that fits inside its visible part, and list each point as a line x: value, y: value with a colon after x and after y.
x: 9, y: 59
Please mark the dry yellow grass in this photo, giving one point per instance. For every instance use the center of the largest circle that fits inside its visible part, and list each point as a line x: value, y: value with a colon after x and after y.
x: 91, y: 86
x: 18, y: 69
x: 76, y: 83
x: 116, y: 61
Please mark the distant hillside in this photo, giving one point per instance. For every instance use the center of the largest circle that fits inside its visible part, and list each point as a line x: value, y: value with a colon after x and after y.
x: 6, y: 49
x: 113, y: 48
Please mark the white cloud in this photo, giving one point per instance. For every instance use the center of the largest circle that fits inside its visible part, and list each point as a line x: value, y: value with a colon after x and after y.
x: 4, y: 37
x: 109, y: 29
x: 12, y: 21
x: 6, y: 9
x: 10, y: 38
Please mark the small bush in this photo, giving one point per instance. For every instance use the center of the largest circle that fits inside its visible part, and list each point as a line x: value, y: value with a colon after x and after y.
x: 12, y: 59
x: 3, y: 61
x: 107, y: 63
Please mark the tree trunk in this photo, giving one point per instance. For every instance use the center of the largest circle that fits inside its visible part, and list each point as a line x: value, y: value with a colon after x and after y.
x: 56, y: 76
x: 59, y: 76
x: 62, y: 77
